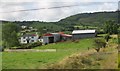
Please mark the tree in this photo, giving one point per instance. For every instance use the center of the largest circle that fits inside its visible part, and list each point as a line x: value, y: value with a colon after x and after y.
x: 111, y: 27
x: 9, y: 34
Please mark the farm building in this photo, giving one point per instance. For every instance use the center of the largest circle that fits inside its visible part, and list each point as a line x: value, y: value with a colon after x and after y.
x: 65, y: 36
x: 51, y: 38
x: 55, y: 37
x: 77, y: 34
x: 28, y: 38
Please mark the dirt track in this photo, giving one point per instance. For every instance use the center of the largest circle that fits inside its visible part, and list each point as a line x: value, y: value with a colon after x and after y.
x: 30, y: 50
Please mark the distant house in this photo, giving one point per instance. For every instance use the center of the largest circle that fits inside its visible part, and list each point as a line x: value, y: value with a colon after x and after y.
x: 28, y: 38
x: 23, y: 27
x: 77, y: 34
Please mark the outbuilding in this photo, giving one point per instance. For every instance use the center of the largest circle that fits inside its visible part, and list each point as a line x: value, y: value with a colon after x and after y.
x: 51, y: 38
x: 65, y: 37
x: 77, y: 34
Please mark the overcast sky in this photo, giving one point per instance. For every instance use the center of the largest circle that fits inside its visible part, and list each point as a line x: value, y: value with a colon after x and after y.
x: 51, y: 15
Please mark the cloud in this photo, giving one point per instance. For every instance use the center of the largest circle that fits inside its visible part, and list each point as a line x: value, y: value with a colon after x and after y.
x: 108, y: 6
x: 59, y: 0
x: 51, y: 14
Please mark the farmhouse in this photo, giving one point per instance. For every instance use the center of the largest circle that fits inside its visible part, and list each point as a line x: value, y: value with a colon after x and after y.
x: 77, y: 34
x: 28, y: 38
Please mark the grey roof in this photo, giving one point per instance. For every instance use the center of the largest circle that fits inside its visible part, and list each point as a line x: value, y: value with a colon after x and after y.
x: 83, y: 31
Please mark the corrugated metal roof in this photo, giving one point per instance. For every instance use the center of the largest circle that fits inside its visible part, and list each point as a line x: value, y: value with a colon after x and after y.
x: 83, y: 31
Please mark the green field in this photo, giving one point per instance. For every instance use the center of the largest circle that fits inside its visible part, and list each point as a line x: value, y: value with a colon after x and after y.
x: 33, y: 60
x: 38, y: 60
x: 0, y: 34
x: 119, y: 60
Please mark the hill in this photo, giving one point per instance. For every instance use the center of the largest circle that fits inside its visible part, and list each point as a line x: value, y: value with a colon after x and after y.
x: 92, y: 19
x: 83, y: 20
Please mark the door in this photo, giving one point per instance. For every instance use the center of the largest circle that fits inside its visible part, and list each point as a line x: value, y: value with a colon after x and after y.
x: 51, y: 39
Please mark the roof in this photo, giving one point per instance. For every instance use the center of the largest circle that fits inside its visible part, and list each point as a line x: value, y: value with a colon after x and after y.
x: 64, y: 35
x: 83, y: 31
x: 48, y: 34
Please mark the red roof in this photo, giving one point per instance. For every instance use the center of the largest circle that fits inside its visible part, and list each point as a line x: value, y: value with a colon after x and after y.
x: 64, y: 35
x: 34, y: 35
x: 48, y: 34
x: 61, y: 32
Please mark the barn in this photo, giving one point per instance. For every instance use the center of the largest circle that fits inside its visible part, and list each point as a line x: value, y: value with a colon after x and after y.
x: 51, y: 38
x: 77, y: 34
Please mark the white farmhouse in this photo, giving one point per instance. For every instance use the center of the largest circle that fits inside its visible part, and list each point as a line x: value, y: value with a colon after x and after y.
x: 29, y: 38
x: 23, y: 27
x: 77, y: 34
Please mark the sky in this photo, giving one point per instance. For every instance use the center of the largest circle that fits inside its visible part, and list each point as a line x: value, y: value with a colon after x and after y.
x: 51, y: 15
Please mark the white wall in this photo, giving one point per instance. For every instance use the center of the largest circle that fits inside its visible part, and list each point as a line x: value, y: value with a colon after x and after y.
x: 24, y: 40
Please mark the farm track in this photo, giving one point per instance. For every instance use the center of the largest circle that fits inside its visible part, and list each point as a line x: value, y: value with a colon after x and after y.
x: 30, y: 50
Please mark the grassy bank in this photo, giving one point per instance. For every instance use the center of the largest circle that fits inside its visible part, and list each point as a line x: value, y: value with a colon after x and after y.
x: 33, y: 60
x: 105, y: 59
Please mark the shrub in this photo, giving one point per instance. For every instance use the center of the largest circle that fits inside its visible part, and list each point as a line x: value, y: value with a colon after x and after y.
x: 1, y: 49
x: 86, y: 61
x: 107, y: 37
x: 76, y: 41
x: 30, y: 45
x: 99, y: 43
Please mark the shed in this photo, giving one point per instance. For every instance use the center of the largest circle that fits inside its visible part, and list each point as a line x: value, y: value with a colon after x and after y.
x: 77, y: 34
x: 48, y: 38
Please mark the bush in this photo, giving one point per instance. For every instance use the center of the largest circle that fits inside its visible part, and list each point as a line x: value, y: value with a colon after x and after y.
x: 99, y: 43
x: 76, y: 41
x: 1, y: 49
x: 30, y: 45
x: 86, y: 61
x: 107, y: 37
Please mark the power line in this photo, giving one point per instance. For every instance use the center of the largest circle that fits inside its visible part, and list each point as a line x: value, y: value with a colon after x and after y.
x: 40, y: 9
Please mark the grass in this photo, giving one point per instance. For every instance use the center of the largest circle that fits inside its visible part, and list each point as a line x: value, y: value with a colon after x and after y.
x: 0, y: 34
x: 0, y: 61
x: 107, y: 58
x: 32, y: 60
x: 118, y: 60
x: 36, y: 60
x: 92, y: 60
x: 81, y: 44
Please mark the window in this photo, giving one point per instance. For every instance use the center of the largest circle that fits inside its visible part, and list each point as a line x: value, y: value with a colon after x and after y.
x: 23, y: 40
x: 32, y: 37
x: 23, y: 37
